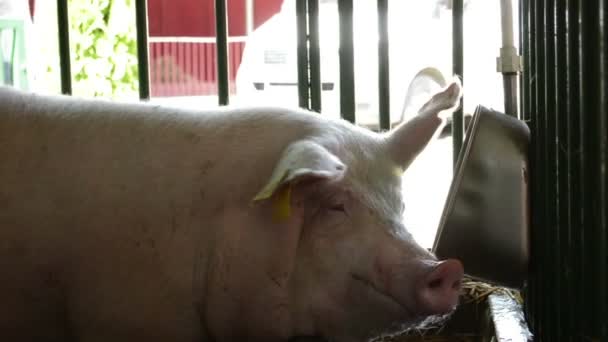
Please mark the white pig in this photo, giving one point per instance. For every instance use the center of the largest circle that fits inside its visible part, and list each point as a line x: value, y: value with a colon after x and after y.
x: 133, y: 222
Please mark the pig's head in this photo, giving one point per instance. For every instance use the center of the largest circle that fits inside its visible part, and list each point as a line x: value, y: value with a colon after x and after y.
x: 358, y: 272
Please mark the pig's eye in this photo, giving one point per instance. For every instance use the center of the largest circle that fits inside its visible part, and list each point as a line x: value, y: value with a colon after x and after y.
x: 337, y: 207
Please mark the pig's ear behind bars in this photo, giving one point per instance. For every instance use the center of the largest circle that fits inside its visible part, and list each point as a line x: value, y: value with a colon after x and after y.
x: 302, y: 160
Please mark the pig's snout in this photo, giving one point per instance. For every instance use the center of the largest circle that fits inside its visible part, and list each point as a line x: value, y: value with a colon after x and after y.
x: 439, y: 290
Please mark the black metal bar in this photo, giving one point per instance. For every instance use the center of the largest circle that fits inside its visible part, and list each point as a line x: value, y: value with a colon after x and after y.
x: 302, y: 54
x: 221, y: 40
x: 64, y: 47
x: 574, y: 166
x: 315, y: 55
x: 458, y: 69
x: 549, y: 160
x: 383, y: 67
x: 141, y: 23
x: 591, y: 75
x: 543, y: 244
x: 563, y: 276
x: 347, y: 61
x: 602, y: 239
x: 524, y: 40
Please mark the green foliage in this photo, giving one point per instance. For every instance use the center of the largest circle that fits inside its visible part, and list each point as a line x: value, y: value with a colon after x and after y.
x: 104, y: 48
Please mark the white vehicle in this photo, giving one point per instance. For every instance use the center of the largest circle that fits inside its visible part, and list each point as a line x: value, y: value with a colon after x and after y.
x: 268, y: 71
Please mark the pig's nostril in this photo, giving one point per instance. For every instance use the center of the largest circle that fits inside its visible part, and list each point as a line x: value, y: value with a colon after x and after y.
x: 435, y: 283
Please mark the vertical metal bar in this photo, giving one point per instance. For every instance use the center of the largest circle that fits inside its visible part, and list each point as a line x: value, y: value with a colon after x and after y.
x: 347, y: 61
x: 591, y: 74
x: 64, y: 47
x: 314, y: 55
x: 574, y: 166
x: 524, y: 115
x: 221, y: 45
x: 383, y: 67
x: 602, y: 238
x: 536, y: 234
x: 549, y: 160
x: 141, y: 23
x: 302, y: 33
x: 249, y: 16
x: 563, y: 275
x: 458, y: 69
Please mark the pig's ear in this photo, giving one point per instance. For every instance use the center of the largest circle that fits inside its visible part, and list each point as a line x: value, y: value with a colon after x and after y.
x: 407, y: 140
x: 302, y: 160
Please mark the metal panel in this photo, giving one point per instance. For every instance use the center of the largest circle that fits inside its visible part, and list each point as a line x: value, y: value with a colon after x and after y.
x: 564, y: 96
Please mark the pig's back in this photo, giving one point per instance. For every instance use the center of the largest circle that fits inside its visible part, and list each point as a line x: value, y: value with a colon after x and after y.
x: 104, y: 204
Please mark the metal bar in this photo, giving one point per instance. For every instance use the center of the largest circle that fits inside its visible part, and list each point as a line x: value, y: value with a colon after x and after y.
x: 574, y: 165
x: 458, y: 69
x: 347, y: 61
x: 383, y: 67
x: 549, y: 160
x: 249, y: 16
x: 314, y: 55
x: 302, y: 55
x: 64, y: 47
x: 560, y: 98
x: 586, y: 202
x: 542, y: 244
x: 221, y: 39
x: 602, y: 237
x: 591, y: 74
x: 141, y: 22
x: 524, y: 40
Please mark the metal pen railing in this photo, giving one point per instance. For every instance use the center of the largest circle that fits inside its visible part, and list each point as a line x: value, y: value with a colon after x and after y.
x: 564, y: 98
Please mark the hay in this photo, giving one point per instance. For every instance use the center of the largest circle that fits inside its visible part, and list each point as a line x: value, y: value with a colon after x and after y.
x: 473, y: 292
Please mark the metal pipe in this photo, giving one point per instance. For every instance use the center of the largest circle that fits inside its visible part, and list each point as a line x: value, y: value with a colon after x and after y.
x: 347, y: 61
x: 141, y: 23
x: 458, y: 69
x: 221, y: 39
x: 302, y: 54
x: 314, y: 55
x: 383, y: 67
x: 249, y: 16
x: 65, y: 67
x: 509, y: 63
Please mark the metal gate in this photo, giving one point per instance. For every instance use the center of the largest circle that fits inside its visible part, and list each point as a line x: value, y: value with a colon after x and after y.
x: 309, y: 78
x: 565, y: 94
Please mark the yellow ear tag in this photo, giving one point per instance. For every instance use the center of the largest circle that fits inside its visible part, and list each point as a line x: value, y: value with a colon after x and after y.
x: 282, y: 204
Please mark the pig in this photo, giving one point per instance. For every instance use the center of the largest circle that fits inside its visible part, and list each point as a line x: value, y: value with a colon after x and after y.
x: 137, y: 222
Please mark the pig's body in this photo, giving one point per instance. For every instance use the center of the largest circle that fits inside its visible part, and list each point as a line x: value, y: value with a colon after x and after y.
x: 136, y: 223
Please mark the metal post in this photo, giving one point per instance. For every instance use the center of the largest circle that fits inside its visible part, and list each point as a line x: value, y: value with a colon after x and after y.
x: 221, y: 40
x: 64, y: 47
x: 302, y: 54
x: 347, y: 61
x: 458, y: 69
x: 249, y: 16
x: 314, y: 55
x: 383, y: 66
x: 141, y: 22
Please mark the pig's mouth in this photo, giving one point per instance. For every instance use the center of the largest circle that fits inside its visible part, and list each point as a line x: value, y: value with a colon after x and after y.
x: 386, y: 296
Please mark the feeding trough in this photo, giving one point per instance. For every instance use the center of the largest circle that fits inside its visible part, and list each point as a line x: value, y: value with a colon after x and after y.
x: 485, y: 220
